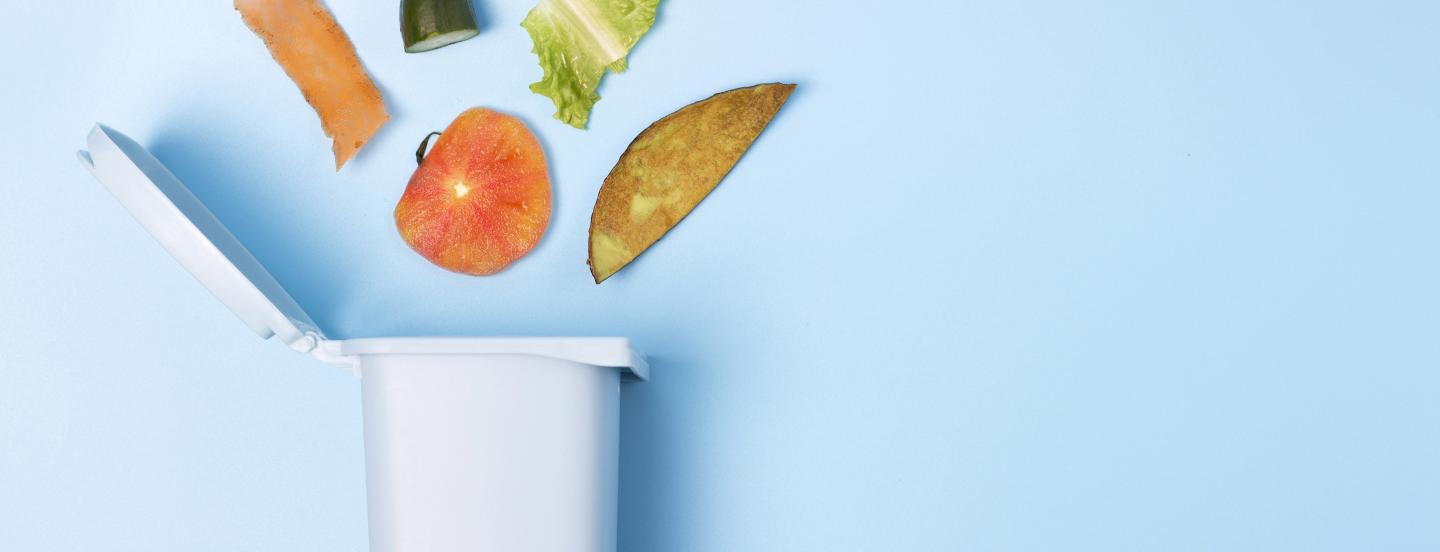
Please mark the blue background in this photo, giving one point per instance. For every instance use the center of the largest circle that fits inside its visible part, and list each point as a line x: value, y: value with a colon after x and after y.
x: 1019, y: 275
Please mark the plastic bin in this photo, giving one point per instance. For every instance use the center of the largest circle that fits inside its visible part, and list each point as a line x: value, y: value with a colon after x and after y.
x: 474, y: 444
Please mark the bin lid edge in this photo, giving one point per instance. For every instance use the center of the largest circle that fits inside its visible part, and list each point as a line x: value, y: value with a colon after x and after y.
x: 611, y: 352
x: 171, y: 213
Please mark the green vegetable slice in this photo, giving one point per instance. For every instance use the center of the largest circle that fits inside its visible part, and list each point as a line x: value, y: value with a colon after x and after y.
x: 576, y: 41
x: 429, y: 24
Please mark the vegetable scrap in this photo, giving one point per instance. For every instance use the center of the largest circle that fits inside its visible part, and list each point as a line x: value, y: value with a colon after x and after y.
x: 480, y: 199
x: 314, y: 51
x: 577, y: 41
x: 670, y: 167
x: 429, y: 24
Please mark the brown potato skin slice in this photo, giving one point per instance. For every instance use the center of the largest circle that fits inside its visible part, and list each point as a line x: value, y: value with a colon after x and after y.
x: 309, y: 44
x: 670, y: 167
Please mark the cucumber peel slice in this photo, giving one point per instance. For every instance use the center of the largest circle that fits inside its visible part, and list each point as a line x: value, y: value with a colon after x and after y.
x: 429, y: 24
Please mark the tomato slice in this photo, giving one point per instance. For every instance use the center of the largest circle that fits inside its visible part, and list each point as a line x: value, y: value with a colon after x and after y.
x: 480, y: 199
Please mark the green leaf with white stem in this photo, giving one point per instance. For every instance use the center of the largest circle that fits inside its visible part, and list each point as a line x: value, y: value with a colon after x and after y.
x: 576, y: 41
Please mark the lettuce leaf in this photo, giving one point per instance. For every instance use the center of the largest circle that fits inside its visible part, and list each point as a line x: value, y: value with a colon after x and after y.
x: 576, y: 41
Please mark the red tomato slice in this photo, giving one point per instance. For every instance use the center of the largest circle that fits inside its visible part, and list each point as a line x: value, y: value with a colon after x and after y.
x: 481, y: 198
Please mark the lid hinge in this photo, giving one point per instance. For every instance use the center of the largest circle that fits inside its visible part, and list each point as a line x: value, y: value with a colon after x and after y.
x: 325, y: 351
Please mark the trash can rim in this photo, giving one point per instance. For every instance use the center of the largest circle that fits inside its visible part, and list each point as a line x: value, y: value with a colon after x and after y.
x: 611, y: 352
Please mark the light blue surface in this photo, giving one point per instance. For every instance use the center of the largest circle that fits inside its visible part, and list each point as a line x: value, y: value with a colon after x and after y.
x: 1002, y: 276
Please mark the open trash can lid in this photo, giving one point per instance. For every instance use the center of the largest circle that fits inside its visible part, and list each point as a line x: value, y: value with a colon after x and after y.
x: 192, y: 234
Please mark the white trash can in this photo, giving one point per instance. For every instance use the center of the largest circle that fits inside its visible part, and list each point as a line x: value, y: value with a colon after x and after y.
x: 471, y: 444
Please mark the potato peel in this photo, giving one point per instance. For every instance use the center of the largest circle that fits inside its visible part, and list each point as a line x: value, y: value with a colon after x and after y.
x: 670, y: 167
x: 309, y: 44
